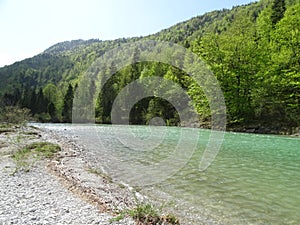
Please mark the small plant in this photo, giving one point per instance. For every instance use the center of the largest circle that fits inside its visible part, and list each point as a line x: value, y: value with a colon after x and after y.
x: 31, y: 152
x: 147, y: 214
x: 171, y: 219
x: 21, y: 159
x: 16, y: 139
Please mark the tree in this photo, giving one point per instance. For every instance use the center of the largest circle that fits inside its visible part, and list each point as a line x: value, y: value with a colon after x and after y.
x: 50, y: 92
x: 68, y: 105
x: 135, y: 68
x: 278, y: 9
x: 52, y: 111
x: 51, y: 95
x: 41, y: 102
x: 108, y: 93
x: 232, y: 56
x: 285, y: 43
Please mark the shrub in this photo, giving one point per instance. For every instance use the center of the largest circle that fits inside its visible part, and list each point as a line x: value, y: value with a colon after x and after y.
x: 14, y: 115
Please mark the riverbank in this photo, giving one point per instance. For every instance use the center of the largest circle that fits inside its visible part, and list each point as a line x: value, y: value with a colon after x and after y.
x: 72, y: 181
x: 46, y: 179
x: 62, y: 189
x: 254, y: 128
x: 257, y: 129
x: 250, y: 129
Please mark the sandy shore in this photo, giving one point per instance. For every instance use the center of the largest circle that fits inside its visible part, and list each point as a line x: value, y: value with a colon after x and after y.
x: 60, y: 190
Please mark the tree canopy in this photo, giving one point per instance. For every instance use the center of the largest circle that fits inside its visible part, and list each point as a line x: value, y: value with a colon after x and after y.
x: 253, y: 50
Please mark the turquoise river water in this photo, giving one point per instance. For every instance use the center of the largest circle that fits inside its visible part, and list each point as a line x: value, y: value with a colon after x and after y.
x: 254, y: 179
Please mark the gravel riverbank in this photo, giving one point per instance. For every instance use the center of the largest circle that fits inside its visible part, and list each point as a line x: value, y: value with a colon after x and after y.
x: 61, y: 190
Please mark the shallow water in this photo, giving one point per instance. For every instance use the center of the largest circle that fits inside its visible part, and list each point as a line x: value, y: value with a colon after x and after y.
x: 254, y: 179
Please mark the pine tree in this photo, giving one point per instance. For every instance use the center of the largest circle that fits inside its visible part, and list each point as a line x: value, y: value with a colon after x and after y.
x: 135, y: 69
x: 278, y: 10
x: 41, y: 103
x: 68, y: 105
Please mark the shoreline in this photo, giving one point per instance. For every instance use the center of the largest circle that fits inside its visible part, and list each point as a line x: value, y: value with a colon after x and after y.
x: 71, y: 171
x: 75, y: 172
x: 186, y: 213
x: 284, y: 131
x: 76, y: 187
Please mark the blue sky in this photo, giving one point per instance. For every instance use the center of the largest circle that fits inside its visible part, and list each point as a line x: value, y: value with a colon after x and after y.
x: 30, y: 26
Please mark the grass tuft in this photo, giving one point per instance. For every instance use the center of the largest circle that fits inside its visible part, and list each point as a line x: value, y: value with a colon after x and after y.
x: 44, y: 149
x: 37, y: 150
x: 147, y: 214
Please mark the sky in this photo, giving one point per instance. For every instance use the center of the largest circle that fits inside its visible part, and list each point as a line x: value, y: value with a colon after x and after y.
x: 28, y: 27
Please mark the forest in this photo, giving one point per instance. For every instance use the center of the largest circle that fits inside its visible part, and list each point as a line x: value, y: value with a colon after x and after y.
x: 253, y: 50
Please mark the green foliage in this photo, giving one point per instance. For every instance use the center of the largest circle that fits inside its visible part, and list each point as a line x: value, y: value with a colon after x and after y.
x: 68, y: 104
x: 45, y: 149
x: 257, y: 65
x: 14, y: 115
x: 231, y: 55
x: 25, y: 157
x: 252, y: 49
x: 146, y: 213
x: 278, y: 9
x: 55, y: 102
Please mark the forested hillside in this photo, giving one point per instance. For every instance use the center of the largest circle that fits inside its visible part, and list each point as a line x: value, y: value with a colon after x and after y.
x: 253, y: 50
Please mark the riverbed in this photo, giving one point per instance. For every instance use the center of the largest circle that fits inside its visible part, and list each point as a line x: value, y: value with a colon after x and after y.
x: 254, y: 179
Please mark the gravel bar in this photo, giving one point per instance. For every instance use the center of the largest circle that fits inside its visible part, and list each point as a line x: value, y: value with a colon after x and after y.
x: 53, y: 192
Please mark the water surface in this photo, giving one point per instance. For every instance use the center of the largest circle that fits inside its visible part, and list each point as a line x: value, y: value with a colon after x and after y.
x: 255, y: 179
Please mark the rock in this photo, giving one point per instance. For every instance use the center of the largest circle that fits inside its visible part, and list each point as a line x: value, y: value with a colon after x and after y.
x: 38, y: 197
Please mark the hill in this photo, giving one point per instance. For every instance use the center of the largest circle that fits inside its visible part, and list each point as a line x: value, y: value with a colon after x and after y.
x: 252, y: 49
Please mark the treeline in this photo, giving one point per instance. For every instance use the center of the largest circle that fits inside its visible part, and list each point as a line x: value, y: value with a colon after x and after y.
x: 257, y: 61
x: 144, y: 110
x: 45, y: 105
x: 253, y: 51
x: 50, y: 104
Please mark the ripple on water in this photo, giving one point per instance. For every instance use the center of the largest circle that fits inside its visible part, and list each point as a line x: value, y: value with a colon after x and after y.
x: 253, y: 180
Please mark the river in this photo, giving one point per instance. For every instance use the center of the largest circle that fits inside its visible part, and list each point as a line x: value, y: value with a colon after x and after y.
x: 254, y: 179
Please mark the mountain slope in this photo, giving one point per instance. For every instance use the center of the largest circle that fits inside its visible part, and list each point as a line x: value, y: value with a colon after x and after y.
x: 86, y: 51
x: 255, y: 61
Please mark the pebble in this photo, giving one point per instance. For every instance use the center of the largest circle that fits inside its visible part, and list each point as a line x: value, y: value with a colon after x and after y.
x: 36, y: 197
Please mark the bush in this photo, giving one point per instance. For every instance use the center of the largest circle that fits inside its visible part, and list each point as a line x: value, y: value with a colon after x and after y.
x: 14, y: 115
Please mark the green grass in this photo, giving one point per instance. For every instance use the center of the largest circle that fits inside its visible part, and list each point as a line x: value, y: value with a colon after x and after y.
x: 32, y: 152
x: 147, y: 214
x: 45, y: 149
x: 144, y: 213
